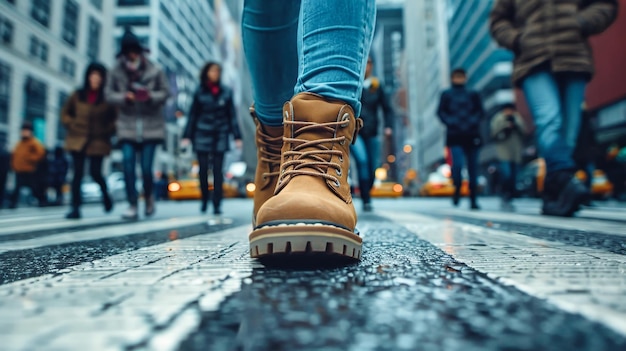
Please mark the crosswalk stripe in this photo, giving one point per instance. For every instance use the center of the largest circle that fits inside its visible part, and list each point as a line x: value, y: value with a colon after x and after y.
x: 570, y: 277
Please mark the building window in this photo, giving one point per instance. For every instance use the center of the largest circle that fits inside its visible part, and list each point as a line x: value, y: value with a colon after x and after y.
x: 132, y: 2
x: 93, y: 46
x: 5, y: 92
x: 97, y: 4
x: 6, y: 31
x: 38, y: 49
x: 68, y: 67
x: 133, y: 21
x: 35, y: 102
x: 61, y: 132
x: 70, y: 22
x: 40, y: 11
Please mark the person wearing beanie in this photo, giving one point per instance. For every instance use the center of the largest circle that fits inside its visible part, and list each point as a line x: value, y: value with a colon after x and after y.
x: 139, y: 90
x: 27, y: 155
x: 90, y: 124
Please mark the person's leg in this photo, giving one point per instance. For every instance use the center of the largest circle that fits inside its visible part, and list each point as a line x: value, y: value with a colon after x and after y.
x: 471, y: 156
x: 148, y: 151
x: 269, y: 29
x: 505, y: 179
x: 203, y: 174
x: 456, y: 152
x: 129, y: 160
x: 359, y: 153
x: 78, y: 162
x: 334, y: 43
x: 218, y: 182
x: 572, y: 90
x: 312, y: 208
x: 373, y: 151
x: 20, y: 182
x: 95, y: 170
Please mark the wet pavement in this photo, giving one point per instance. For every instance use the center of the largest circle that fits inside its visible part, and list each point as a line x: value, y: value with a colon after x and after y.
x: 431, y: 278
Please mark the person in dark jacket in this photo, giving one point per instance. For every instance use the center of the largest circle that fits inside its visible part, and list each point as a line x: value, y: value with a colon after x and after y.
x: 27, y: 164
x: 461, y: 111
x: 211, y: 121
x: 366, y: 148
x: 553, y: 63
x: 139, y: 89
x: 90, y: 124
x: 57, y: 172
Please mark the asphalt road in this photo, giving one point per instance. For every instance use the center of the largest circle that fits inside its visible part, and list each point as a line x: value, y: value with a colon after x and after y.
x: 432, y: 277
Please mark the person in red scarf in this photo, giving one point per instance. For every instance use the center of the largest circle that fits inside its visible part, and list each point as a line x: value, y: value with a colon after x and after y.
x: 90, y: 124
x: 212, y: 119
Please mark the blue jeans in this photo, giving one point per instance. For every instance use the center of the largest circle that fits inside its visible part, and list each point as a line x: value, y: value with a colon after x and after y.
x: 146, y: 159
x: 320, y: 46
x: 508, y: 173
x: 555, y: 103
x: 460, y: 155
x: 366, y: 152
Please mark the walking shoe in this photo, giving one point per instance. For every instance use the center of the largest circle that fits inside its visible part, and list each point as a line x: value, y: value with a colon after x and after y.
x: 204, y: 204
x: 312, y: 209
x: 568, y: 200
x: 269, y: 141
x: 73, y: 214
x: 150, y: 208
x: 367, y: 207
x: 131, y: 213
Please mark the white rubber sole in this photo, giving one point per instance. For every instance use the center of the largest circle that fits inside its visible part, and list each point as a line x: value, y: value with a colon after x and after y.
x: 302, y: 239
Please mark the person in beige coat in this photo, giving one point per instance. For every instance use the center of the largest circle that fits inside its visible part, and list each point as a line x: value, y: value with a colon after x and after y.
x: 553, y: 63
x: 90, y: 124
x: 508, y: 131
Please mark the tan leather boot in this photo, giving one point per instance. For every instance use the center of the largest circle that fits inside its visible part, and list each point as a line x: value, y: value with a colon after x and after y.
x: 269, y: 141
x: 312, y: 209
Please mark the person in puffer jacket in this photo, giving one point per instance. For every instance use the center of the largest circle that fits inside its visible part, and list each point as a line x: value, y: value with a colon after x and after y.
x: 211, y: 121
x: 461, y: 111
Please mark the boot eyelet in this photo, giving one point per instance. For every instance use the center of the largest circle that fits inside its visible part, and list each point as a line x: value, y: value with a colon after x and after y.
x: 338, y: 171
x: 336, y: 183
x: 343, y: 142
x: 341, y: 159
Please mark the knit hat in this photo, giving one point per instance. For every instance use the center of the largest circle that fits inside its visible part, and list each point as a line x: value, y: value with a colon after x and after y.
x: 130, y: 43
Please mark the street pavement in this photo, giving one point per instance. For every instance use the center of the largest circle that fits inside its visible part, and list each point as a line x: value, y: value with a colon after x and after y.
x: 432, y: 277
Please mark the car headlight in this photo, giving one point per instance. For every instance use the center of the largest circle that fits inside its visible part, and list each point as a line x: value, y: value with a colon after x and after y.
x: 174, y: 187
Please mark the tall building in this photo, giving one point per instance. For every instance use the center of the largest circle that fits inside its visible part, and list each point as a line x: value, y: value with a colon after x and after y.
x: 426, y: 75
x: 44, y: 49
x: 489, y: 67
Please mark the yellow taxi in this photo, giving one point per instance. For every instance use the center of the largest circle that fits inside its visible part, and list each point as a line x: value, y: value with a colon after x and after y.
x: 439, y: 184
x: 189, y: 189
x: 386, y: 189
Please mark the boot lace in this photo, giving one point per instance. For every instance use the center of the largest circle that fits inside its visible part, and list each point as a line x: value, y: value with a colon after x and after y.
x: 270, y: 152
x: 313, y: 154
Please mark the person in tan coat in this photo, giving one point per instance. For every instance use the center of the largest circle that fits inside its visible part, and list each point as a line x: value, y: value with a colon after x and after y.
x: 553, y: 63
x: 90, y: 124
x: 508, y: 131
x: 27, y: 156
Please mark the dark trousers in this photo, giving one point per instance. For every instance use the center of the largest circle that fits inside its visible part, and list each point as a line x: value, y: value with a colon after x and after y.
x: 146, y: 153
x: 460, y: 156
x: 30, y: 180
x: 95, y: 170
x: 214, y: 161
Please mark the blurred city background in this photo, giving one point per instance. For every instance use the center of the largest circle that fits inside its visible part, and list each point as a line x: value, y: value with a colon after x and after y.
x: 45, y: 46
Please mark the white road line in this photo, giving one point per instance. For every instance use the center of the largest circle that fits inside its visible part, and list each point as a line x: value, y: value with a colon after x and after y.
x: 101, y: 233
x: 580, y: 280
x: 584, y: 224
x: 44, y: 224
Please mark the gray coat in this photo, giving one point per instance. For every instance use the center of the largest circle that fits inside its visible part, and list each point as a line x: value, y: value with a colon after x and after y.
x: 139, y: 121
x: 509, y: 141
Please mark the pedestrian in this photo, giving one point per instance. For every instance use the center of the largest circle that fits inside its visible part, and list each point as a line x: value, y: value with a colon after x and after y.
x: 302, y: 201
x: 366, y: 147
x: 139, y: 89
x: 57, y: 172
x: 553, y: 63
x: 26, y: 161
x: 5, y: 166
x: 211, y: 121
x: 90, y: 124
x: 507, y: 131
x: 461, y: 111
